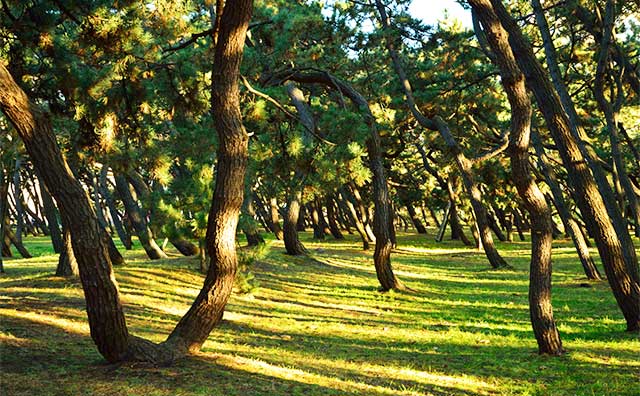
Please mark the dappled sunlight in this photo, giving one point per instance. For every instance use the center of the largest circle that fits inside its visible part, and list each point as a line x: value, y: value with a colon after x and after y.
x: 318, y: 324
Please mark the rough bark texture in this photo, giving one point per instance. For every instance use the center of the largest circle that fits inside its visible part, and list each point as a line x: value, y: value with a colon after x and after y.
x: 540, y: 308
x: 106, y: 318
x: 206, y: 311
x: 612, y: 240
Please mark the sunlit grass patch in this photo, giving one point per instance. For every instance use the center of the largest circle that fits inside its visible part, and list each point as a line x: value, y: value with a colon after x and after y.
x: 317, y: 326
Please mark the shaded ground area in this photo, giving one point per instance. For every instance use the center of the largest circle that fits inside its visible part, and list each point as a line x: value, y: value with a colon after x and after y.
x: 317, y: 326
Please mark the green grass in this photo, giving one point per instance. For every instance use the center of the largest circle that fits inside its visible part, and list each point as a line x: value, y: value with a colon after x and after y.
x: 317, y: 326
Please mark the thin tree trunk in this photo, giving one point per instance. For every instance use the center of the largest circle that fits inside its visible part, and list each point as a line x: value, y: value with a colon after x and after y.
x: 144, y: 233
x: 124, y: 236
x: 51, y: 213
x: 570, y: 225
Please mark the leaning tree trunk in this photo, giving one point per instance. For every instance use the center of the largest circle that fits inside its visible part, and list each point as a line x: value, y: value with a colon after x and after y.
x: 353, y: 213
x: 51, y: 214
x: 275, y: 219
x: 124, y: 236
x: 540, y: 308
x: 4, y: 191
x: 145, y: 235
x: 580, y: 243
x: 612, y: 239
x: 106, y: 317
x: 331, y: 218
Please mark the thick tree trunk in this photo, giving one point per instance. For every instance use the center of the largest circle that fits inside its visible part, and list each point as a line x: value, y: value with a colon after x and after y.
x: 292, y: 242
x: 606, y: 223
x: 194, y: 328
x: 144, y: 233
x: 106, y: 317
x: 513, y: 81
x: 185, y: 247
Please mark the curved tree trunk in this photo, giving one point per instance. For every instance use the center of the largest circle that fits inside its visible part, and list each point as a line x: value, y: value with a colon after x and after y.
x: 145, y: 235
x: 206, y: 311
x: 540, y: 308
x: 579, y: 241
x: 331, y: 218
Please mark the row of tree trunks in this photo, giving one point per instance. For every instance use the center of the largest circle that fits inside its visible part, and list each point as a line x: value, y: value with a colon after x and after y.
x: 604, y: 220
x: 437, y: 124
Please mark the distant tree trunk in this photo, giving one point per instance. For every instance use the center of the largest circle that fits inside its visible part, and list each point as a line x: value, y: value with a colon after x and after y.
x: 437, y: 123
x: 318, y: 229
x: 277, y: 231
x: 4, y: 191
x: 17, y: 195
x: 124, y: 236
x: 67, y: 264
x: 518, y: 222
x: 356, y: 219
x: 249, y: 227
x: 145, y: 235
x: 579, y: 241
x: 50, y: 212
x: 185, y: 247
x: 414, y: 218
x: 513, y: 81
x: 331, y: 218
x: 606, y: 223
x: 292, y: 242
x: 13, y: 240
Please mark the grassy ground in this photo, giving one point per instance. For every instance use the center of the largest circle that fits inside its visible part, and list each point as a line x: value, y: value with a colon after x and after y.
x: 317, y: 326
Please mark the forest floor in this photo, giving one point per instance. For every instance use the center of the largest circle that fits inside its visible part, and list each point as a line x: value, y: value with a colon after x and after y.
x: 318, y: 326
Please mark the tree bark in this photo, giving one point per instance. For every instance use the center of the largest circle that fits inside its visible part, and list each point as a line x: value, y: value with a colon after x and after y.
x: 124, y: 236
x: 570, y: 225
x: 106, y: 317
x: 540, y: 308
x: 194, y: 328
x: 331, y: 218
x: 67, y: 264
